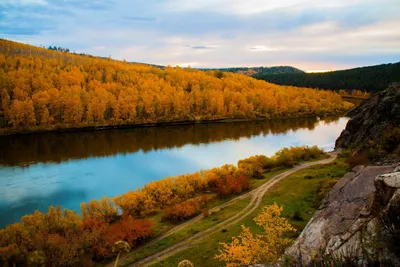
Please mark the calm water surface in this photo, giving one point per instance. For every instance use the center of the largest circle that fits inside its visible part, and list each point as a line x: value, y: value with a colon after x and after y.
x: 65, y: 169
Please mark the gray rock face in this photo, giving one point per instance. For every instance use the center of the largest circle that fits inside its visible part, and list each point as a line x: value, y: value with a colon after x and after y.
x: 359, y: 219
x: 371, y: 118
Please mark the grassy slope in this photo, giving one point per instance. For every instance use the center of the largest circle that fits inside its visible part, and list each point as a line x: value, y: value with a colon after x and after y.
x: 296, y: 192
x: 215, y: 218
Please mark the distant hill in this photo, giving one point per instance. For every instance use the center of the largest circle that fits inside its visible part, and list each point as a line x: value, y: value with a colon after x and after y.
x: 250, y: 71
x: 370, y: 79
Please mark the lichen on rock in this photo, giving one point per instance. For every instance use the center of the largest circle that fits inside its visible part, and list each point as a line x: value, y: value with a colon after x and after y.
x: 358, y: 221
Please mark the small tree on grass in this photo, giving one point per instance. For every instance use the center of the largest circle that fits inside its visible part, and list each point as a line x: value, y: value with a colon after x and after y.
x: 263, y: 248
x: 120, y: 247
x: 185, y: 263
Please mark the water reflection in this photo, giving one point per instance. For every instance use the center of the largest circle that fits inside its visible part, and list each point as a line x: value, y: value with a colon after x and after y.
x: 67, y: 169
x: 12, y: 211
x: 57, y: 147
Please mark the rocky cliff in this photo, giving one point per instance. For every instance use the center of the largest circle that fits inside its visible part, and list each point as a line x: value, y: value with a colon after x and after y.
x: 358, y: 222
x: 374, y: 126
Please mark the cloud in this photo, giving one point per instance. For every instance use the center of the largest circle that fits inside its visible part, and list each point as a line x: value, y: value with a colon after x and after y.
x: 261, y: 48
x: 227, y: 36
x: 250, y: 7
x: 187, y: 64
x: 141, y: 19
x: 204, y: 47
x: 200, y: 47
x: 23, y: 2
x: 98, y: 48
x: 325, y: 35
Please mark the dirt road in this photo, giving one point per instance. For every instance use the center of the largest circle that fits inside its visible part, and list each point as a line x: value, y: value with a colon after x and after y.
x: 256, y: 199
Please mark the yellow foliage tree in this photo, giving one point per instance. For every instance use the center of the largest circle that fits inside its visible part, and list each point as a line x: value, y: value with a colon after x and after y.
x: 104, y: 209
x: 80, y: 90
x: 185, y: 263
x: 263, y: 248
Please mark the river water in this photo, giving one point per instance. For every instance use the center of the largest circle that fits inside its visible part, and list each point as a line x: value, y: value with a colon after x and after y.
x: 65, y: 169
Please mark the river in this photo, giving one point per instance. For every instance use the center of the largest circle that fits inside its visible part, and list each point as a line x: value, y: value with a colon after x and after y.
x: 65, y: 169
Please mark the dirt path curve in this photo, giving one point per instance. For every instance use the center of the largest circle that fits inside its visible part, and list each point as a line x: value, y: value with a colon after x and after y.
x: 256, y: 198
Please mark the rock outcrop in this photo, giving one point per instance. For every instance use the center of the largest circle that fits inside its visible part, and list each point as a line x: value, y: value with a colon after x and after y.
x: 358, y: 220
x: 372, y: 118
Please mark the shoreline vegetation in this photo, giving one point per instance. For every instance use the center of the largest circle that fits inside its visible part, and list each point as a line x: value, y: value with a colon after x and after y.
x: 100, y: 127
x: 300, y: 193
x: 67, y: 239
x: 43, y: 89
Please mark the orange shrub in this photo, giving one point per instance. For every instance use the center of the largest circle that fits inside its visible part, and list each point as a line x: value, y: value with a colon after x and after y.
x: 105, y: 209
x: 129, y: 230
x: 229, y: 185
x: 254, y: 166
x: 158, y: 194
x: 102, y: 236
x: 65, y: 239
x: 287, y: 157
x: 185, y: 210
x: 57, y: 233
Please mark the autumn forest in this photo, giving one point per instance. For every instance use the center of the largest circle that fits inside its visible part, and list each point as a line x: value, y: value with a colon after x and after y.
x: 47, y: 89
x: 53, y: 89
x: 176, y: 133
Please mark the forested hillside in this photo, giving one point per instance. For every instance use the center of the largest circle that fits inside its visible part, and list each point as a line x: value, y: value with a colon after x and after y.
x: 262, y: 70
x: 370, y: 79
x: 47, y: 89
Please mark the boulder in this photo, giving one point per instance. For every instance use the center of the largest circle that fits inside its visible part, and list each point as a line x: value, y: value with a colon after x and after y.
x: 358, y: 220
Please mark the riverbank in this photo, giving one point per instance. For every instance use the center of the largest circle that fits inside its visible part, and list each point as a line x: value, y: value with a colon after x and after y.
x: 69, y: 168
x: 62, y: 128
x: 101, y: 224
x: 350, y: 97
x: 299, y: 193
x: 299, y: 189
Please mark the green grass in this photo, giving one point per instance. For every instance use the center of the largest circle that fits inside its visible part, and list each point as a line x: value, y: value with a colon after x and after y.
x: 203, y: 224
x: 160, y: 227
x: 255, y: 183
x: 296, y: 192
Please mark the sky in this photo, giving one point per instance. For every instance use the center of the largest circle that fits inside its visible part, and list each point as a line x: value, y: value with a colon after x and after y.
x: 308, y: 34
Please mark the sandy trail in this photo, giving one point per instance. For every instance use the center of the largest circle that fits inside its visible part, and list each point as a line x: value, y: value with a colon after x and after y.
x: 256, y: 198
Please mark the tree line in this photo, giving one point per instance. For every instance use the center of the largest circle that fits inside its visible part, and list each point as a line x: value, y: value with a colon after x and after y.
x: 369, y: 79
x: 63, y: 238
x: 250, y: 71
x: 45, y: 89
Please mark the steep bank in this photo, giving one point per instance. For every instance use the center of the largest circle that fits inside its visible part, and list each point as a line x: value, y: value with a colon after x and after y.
x: 358, y: 223
x: 374, y: 127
